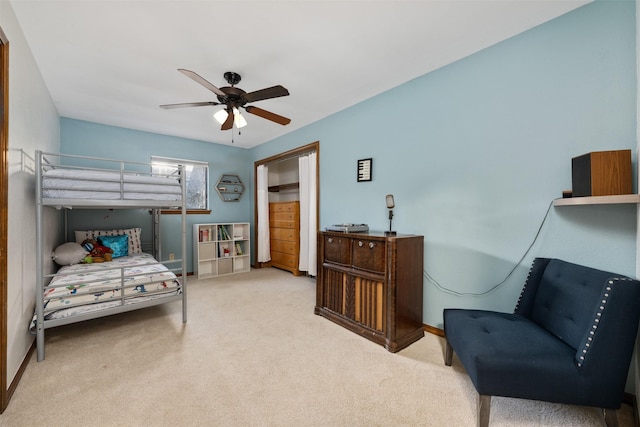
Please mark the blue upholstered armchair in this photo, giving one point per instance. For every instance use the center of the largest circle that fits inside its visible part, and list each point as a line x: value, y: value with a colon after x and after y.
x: 569, y: 340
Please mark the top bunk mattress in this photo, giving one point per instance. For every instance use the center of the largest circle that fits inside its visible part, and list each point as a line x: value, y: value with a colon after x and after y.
x: 67, y: 180
x: 89, y: 184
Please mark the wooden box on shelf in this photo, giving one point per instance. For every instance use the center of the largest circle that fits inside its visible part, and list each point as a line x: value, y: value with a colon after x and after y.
x: 220, y: 249
x: 602, y: 173
x: 372, y: 285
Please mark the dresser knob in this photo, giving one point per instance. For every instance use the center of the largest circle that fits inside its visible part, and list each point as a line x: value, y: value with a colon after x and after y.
x: 330, y: 240
x: 371, y: 245
x: 360, y: 243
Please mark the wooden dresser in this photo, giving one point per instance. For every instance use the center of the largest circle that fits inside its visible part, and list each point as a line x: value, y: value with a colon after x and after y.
x: 284, y: 232
x: 372, y: 285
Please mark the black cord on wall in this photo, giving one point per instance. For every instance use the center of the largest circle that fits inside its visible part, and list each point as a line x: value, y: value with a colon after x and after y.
x: 497, y: 285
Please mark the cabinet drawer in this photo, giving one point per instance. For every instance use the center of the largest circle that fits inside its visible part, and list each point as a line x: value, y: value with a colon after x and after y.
x: 283, y: 224
x: 368, y: 255
x: 283, y: 216
x: 287, y: 260
x: 290, y: 235
x: 283, y: 207
x: 284, y: 246
x: 336, y: 249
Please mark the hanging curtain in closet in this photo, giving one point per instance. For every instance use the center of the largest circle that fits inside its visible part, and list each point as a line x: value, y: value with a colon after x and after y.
x: 308, y: 220
x: 264, y: 249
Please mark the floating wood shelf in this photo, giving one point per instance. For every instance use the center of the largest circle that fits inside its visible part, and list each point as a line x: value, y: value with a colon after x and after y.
x: 598, y: 200
x: 283, y: 187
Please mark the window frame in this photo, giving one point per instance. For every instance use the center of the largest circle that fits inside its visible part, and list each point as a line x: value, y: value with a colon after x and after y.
x: 173, y: 161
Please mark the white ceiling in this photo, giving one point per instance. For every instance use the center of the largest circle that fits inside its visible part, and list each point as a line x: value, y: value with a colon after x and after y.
x: 114, y: 62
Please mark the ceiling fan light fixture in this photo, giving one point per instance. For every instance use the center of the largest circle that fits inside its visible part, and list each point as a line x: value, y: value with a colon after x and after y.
x: 238, y: 119
x: 221, y: 116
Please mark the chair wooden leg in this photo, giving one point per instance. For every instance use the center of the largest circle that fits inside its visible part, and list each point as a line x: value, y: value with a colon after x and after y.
x: 484, y: 410
x: 610, y: 417
x: 448, y: 354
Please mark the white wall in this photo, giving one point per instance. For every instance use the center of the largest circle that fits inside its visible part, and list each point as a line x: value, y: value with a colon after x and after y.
x: 33, y: 125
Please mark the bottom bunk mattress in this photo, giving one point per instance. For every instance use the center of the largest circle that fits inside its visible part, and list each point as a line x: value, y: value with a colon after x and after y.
x: 84, y: 288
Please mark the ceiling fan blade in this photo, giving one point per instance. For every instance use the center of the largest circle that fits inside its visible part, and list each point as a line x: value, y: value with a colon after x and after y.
x: 189, y: 104
x: 197, y: 78
x: 268, y: 93
x: 268, y: 115
x: 228, y: 124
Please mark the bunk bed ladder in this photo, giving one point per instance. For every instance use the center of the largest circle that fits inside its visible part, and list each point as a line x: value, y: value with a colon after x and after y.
x: 183, y: 182
x: 39, y: 261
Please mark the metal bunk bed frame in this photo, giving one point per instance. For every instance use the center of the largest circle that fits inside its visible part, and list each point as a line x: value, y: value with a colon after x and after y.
x: 121, y: 203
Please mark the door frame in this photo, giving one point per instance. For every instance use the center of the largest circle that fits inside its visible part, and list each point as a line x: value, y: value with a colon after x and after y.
x: 296, y: 152
x: 4, y: 215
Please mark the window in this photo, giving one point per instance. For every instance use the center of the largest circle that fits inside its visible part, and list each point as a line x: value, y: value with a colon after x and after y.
x: 197, y: 175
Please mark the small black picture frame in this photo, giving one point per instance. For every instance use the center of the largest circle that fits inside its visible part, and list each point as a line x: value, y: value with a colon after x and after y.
x: 365, y: 169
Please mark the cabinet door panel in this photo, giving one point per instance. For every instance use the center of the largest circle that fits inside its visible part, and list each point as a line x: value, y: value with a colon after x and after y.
x: 335, y: 291
x: 369, y: 255
x: 370, y: 303
x: 336, y: 249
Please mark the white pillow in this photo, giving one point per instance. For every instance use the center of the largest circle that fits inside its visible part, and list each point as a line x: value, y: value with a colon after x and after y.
x: 135, y: 247
x: 68, y: 253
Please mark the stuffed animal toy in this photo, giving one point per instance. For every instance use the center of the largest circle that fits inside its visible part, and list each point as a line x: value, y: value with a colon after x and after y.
x: 97, y: 252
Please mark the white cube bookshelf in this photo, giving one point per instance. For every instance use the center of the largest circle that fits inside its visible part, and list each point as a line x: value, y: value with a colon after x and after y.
x: 220, y: 249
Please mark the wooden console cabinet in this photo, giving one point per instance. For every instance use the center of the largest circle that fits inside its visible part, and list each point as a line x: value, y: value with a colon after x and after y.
x: 372, y: 285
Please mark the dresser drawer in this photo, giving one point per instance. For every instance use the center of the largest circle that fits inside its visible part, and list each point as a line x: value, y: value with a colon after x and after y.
x: 284, y: 219
x: 284, y: 216
x: 290, y: 235
x: 284, y: 246
x: 282, y: 224
x: 368, y: 255
x: 287, y: 260
x: 336, y: 249
x: 283, y: 207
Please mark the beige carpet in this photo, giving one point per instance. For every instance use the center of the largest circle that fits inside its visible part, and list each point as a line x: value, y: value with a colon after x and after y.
x: 253, y: 354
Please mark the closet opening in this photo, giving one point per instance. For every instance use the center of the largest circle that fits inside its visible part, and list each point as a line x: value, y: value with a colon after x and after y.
x: 286, y: 212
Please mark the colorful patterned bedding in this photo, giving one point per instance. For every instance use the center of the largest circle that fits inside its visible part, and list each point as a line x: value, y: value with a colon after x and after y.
x: 82, y: 288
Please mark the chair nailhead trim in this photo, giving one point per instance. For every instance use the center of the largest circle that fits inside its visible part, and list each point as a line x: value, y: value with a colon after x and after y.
x: 526, y: 282
x: 607, y: 293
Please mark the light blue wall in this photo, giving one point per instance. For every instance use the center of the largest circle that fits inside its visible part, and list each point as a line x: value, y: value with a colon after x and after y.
x: 476, y: 151
x: 92, y: 139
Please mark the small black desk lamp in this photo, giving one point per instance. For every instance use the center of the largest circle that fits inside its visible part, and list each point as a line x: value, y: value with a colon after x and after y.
x: 390, y: 206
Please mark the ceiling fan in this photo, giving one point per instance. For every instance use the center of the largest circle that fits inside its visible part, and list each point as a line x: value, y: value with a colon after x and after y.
x: 234, y: 98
